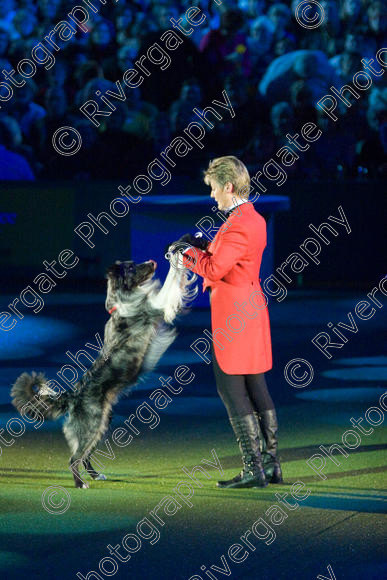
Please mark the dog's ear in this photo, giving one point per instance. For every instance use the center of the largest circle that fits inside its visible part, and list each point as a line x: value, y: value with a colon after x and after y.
x: 110, y: 272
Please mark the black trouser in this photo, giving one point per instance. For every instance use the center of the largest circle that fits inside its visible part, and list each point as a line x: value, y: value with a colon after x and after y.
x: 241, y: 394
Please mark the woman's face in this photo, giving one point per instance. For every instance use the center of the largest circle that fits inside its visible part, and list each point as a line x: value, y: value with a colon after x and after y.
x: 220, y: 194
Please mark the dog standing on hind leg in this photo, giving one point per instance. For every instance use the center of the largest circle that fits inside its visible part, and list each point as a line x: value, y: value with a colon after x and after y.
x: 135, y: 338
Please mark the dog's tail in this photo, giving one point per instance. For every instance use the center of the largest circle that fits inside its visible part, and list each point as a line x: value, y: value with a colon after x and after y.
x: 33, y: 397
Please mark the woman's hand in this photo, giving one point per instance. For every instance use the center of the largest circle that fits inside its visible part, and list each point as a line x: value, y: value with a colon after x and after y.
x: 189, y: 240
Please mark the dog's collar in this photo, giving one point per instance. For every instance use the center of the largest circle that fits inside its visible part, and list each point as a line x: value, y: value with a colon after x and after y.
x: 112, y: 309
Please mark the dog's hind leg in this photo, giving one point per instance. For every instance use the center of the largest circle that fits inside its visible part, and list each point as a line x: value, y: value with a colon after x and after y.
x: 75, y: 461
x: 91, y: 471
x: 89, y: 468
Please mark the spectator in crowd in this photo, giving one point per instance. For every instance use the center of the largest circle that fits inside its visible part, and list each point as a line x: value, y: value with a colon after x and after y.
x: 29, y: 114
x: 4, y: 41
x: 103, y: 48
x: 252, y: 8
x: 377, y: 22
x: 101, y: 40
x: 48, y: 11
x: 280, y: 15
x: 5, y: 64
x: 24, y: 24
x: 13, y: 166
x: 310, y: 66
x: 181, y: 111
x: 285, y: 44
x: 127, y: 54
x: 260, y: 44
x: 141, y: 118
x: 352, y: 15
x: 124, y: 18
x: 125, y: 58
x: 7, y: 14
x: 245, y: 108
x: 372, y: 151
x: 83, y: 74
x: 161, y: 88
x: 346, y: 65
x: 226, y: 48
x: 282, y: 121
x: 328, y: 36
x: 56, y: 107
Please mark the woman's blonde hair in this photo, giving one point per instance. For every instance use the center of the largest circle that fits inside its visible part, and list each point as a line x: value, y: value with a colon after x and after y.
x: 229, y: 169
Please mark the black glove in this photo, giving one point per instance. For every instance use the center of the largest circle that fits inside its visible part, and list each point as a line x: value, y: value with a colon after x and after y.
x: 200, y: 243
x: 189, y: 240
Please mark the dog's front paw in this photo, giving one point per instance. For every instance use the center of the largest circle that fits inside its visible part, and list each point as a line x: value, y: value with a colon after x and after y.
x: 83, y: 486
x: 101, y: 477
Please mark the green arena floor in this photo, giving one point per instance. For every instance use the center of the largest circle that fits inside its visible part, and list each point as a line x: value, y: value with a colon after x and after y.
x: 341, y: 522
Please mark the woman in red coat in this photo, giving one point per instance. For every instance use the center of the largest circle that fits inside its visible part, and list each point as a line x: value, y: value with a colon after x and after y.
x: 240, y: 336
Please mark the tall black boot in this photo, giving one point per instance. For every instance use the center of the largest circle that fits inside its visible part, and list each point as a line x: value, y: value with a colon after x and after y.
x: 247, y: 432
x: 270, y: 461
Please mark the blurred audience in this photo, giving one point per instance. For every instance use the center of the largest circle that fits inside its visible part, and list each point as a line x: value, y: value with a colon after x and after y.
x: 13, y: 165
x: 273, y: 69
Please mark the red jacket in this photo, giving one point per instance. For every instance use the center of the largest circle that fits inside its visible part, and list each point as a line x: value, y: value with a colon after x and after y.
x: 239, y: 314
